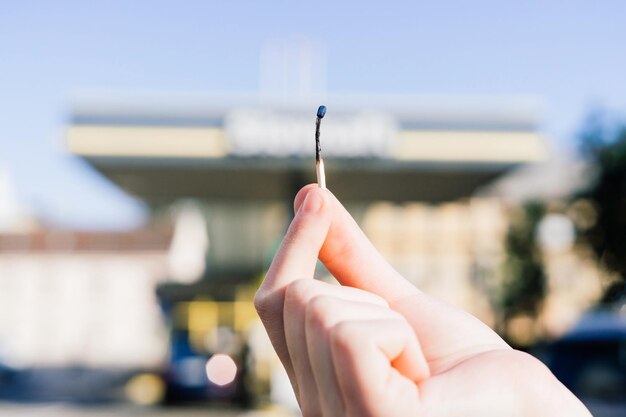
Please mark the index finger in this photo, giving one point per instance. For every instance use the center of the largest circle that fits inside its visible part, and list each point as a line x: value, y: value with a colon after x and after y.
x: 297, y: 256
x: 352, y: 259
x: 295, y: 260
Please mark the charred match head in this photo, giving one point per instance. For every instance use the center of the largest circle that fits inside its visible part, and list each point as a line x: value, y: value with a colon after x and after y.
x: 321, y: 111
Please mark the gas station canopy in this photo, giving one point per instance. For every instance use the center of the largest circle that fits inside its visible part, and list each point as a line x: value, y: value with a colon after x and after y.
x: 242, y: 148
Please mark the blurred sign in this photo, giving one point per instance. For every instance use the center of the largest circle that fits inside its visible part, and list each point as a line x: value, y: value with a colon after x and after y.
x: 253, y: 132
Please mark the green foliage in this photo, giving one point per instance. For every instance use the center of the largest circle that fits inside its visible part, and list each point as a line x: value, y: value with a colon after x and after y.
x: 604, y: 145
x: 524, y: 284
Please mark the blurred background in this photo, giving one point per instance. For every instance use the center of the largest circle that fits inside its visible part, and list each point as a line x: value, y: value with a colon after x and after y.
x: 150, y: 152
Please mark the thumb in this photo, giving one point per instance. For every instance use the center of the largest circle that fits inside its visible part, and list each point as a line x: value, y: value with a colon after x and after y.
x: 352, y: 259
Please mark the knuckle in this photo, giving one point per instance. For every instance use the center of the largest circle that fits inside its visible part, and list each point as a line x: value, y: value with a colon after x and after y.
x: 264, y: 305
x: 299, y: 291
x: 260, y: 301
x: 343, y: 336
x: 318, y: 311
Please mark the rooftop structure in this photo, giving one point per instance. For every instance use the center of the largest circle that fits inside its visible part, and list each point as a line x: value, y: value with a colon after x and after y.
x: 236, y: 147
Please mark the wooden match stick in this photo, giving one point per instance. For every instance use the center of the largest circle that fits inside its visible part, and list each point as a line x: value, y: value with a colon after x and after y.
x: 319, y: 162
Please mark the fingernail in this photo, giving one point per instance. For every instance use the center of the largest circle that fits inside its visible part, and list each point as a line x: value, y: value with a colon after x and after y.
x: 312, y: 202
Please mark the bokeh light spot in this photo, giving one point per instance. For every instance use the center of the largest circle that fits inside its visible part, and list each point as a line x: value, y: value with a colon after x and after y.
x: 221, y: 369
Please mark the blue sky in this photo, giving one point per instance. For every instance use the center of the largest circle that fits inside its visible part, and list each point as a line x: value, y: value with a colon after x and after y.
x: 570, y: 54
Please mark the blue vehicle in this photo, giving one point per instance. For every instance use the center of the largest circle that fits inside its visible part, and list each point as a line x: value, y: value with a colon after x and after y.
x: 591, y: 361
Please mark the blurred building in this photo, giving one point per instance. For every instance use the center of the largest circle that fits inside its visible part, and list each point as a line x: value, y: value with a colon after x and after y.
x: 406, y: 167
x: 244, y: 157
x: 82, y: 299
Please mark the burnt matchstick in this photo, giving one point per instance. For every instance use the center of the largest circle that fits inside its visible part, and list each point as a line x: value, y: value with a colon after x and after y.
x: 319, y: 162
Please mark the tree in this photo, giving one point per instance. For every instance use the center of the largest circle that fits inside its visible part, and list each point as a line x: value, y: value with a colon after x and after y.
x: 524, y: 282
x: 604, y: 145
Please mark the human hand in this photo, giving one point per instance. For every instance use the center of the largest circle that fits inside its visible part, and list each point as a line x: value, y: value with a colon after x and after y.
x: 376, y: 345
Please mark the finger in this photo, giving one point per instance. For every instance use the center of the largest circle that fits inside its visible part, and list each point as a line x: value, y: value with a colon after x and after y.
x: 379, y: 367
x: 298, y: 253
x: 351, y: 257
x: 449, y: 335
x: 354, y: 261
x: 295, y: 259
x: 323, y: 313
x: 297, y: 298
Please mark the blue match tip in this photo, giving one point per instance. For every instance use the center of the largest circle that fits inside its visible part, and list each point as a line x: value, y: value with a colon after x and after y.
x: 321, y: 111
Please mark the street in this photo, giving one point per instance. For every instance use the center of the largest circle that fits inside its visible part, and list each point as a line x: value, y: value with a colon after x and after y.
x: 63, y: 410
